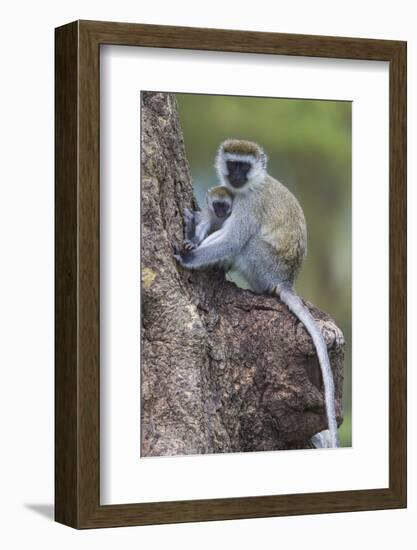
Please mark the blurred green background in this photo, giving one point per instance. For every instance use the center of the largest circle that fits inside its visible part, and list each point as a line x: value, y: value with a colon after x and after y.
x: 308, y: 143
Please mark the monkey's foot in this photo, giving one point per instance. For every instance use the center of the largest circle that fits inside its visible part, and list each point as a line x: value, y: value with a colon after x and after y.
x: 189, y: 222
x: 188, y: 215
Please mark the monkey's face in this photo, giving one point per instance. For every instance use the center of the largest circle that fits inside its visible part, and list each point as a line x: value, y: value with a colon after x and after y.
x: 240, y: 165
x: 221, y: 208
x: 237, y: 173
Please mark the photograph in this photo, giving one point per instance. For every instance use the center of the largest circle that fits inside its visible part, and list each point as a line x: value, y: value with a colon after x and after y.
x: 246, y: 274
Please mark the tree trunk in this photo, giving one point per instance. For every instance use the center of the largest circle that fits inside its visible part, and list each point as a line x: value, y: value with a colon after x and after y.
x: 223, y: 369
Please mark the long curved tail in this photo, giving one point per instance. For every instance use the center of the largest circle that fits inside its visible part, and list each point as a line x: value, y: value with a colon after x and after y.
x: 296, y: 306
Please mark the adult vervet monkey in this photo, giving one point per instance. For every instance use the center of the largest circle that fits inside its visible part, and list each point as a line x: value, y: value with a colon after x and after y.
x: 265, y: 240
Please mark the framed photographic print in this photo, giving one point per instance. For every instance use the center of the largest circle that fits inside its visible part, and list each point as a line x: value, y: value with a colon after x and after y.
x: 230, y: 274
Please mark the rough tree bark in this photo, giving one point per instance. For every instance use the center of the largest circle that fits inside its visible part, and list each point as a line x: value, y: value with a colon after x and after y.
x: 223, y: 369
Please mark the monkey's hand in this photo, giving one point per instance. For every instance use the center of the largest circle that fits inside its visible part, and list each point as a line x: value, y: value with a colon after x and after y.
x: 184, y: 257
x: 216, y: 249
x: 188, y: 245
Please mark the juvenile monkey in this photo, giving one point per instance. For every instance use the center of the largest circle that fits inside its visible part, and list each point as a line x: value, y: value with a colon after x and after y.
x: 265, y: 240
x: 198, y: 225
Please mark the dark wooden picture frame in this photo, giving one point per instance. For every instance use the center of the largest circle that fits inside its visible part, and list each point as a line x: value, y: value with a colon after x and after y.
x: 77, y: 373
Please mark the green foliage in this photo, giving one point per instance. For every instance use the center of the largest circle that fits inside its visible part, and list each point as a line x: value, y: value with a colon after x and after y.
x: 308, y: 143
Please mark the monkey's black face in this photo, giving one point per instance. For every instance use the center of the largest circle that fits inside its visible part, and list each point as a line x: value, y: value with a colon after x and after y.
x: 221, y: 208
x: 238, y: 172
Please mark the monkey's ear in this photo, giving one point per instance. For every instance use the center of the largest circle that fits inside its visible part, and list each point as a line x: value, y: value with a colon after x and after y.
x: 263, y: 160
